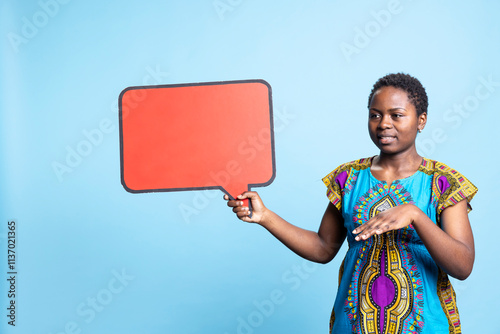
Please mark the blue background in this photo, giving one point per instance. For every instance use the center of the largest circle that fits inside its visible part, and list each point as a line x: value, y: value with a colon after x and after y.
x: 186, y: 264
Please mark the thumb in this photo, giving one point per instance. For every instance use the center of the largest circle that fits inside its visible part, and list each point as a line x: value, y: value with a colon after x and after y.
x: 248, y: 194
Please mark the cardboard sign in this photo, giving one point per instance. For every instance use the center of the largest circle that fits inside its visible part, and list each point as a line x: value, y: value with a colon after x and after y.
x: 197, y: 136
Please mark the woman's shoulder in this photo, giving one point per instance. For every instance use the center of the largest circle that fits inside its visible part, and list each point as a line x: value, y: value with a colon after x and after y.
x: 336, y: 180
x: 343, y: 170
x: 437, y: 168
x: 357, y: 164
x: 448, y: 184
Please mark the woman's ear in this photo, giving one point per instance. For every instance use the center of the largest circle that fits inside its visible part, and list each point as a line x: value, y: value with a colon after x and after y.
x: 422, y: 120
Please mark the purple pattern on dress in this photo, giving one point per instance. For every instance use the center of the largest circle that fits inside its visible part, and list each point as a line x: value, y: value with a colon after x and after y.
x: 443, y: 184
x: 383, y: 291
x: 341, y: 178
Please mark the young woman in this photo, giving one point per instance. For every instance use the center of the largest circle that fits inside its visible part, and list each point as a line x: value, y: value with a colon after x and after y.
x: 405, y: 218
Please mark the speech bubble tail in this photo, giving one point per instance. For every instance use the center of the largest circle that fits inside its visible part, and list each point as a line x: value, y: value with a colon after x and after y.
x: 247, y: 202
x: 234, y: 190
x: 233, y: 194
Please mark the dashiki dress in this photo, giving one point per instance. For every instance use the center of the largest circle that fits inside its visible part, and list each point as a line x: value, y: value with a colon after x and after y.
x: 389, y: 283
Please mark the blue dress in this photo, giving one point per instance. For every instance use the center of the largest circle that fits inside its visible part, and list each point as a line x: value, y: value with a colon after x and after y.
x: 389, y: 283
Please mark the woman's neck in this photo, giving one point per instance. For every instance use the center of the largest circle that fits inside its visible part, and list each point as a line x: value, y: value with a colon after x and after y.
x: 401, y: 161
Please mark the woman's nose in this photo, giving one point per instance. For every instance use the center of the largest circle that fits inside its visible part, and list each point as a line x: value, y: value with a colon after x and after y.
x: 385, y: 122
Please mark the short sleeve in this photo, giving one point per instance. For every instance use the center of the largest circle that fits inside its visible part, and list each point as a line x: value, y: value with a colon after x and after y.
x: 451, y: 187
x: 335, y: 183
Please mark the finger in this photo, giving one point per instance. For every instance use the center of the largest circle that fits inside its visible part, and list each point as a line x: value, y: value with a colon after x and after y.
x: 242, y: 212
x: 247, y: 219
x: 372, y: 223
x: 363, y: 228
x: 362, y: 236
x: 365, y: 235
x: 379, y: 227
x: 234, y: 203
x: 365, y: 231
x: 237, y: 209
x: 243, y: 215
x: 248, y: 194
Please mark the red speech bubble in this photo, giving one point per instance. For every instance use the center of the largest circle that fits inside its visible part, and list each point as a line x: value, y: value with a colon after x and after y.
x: 197, y: 136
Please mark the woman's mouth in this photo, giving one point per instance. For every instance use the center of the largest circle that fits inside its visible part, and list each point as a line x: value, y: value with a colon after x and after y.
x: 386, y: 139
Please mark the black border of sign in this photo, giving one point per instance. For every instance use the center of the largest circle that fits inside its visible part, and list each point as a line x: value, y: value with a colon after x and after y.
x: 190, y: 85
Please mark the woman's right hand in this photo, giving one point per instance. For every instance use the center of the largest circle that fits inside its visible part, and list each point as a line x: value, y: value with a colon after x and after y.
x: 243, y: 212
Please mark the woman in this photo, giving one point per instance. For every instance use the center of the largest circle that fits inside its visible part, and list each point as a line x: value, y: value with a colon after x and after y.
x: 406, y: 222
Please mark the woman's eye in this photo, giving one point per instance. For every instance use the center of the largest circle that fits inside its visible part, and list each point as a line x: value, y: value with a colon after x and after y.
x: 374, y: 115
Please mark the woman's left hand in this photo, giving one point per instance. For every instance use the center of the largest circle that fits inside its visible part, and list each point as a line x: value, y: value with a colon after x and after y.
x: 391, y: 219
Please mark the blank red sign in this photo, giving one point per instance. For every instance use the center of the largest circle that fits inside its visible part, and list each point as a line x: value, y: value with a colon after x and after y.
x: 197, y: 136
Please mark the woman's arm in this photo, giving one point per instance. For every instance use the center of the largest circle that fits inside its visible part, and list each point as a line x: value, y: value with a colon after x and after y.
x: 318, y: 247
x: 451, y: 247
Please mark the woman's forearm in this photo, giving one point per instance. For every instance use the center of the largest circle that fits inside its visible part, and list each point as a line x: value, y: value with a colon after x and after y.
x: 321, y: 246
x: 454, y: 256
x: 451, y: 246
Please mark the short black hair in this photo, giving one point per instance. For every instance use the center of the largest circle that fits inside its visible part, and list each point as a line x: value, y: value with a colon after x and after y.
x: 413, y: 88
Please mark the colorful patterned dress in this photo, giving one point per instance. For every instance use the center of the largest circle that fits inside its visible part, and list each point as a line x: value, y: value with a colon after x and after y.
x: 389, y: 283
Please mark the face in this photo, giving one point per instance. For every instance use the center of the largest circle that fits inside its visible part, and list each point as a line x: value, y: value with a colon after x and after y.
x: 393, y: 122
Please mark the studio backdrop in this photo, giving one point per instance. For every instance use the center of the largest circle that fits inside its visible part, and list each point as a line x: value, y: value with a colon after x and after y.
x: 81, y: 254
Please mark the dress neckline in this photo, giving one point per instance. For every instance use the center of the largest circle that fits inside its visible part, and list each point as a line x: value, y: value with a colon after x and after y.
x: 420, y: 167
